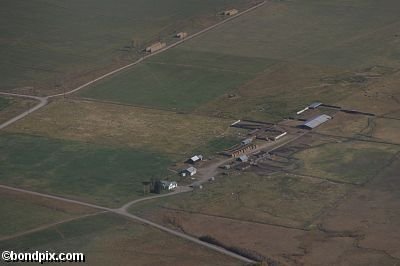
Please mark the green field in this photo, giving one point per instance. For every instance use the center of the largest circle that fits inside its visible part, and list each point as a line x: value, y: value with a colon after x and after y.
x: 111, y: 240
x: 274, y: 59
x: 50, y: 43
x: 179, y: 81
x: 4, y: 103
x: 104, y: 175
x: 21, y: 212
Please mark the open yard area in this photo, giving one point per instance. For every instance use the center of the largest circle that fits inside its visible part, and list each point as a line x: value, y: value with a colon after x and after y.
x: 44, y: 50
x: 110, y: 240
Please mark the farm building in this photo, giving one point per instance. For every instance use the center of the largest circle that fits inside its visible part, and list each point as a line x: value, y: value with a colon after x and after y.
x: 166, y: 185
x: 191, y: 171
x: 155, y: 47
x: 316, y: 121
x: 230, y: 12
x: 236, y: 152
x: 195, y: 159
x: 181, y: 35
x: 244, y: 158
x: 247, y: 141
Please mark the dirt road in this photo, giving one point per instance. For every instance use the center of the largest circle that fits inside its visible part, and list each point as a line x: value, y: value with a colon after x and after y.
x: 42, y: 102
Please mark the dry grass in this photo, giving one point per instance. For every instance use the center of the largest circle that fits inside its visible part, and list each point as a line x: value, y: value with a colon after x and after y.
x: 14, y: 107
x: 156, y: 130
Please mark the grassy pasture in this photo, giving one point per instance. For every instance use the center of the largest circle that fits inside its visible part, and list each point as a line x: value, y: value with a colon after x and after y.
x: 42, y: 46
x: 338, y: 33
x: 4, y: 103
x: 21, y: 212
x: 278, y: 199
x: 104, y: 175
x: 350, y: 162
x: 163, y: 132
x: 274, y: 59
x: 111, y: 240
x: 10, y: 107
x: 178, y: 80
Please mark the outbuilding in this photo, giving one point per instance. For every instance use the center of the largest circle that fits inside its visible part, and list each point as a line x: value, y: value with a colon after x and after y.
x: 195, y: 159
x: 247, y: 141
x: 244, y: 158
x: 315, y: 122
x: 191, y: 171
x: 169, y: 185
x: 155, y: 47
x: 315, y: 105
x: 230, y: 12
x: 181, y: 35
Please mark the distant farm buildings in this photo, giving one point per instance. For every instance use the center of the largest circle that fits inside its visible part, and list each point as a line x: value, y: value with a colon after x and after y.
x: 230, y: 12
x: 181, y: 35
x: 155, y: 47
x: 315, y: 122
x: 191, y: 171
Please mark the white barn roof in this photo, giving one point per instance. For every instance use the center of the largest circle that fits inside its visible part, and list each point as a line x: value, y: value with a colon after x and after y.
x: 316, y: 121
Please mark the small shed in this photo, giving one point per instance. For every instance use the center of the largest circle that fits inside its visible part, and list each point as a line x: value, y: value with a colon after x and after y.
x: 196, y: 158
x: 247, y: 141
x: 191, y: 171
x: 181, y: 35
x: 244, y: 158
x: 155, y: 47
x: 230, y: 12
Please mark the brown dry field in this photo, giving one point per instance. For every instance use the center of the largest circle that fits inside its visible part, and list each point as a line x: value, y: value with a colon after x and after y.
x: 105, y: 123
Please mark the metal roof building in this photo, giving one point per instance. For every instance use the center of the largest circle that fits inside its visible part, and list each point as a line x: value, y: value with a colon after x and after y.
x: 315, y: 105
x: 316, y: 121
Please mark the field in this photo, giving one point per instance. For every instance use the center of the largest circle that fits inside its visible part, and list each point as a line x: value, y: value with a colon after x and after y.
x: 47, y: 57
x: 110, y: 240
x: 101, y: 174
x: 4, y: 103
x: 295, y: 62
x: 172, y: 134
x: 278, y: 199
x: 27, y: 213
x: 348, y: 162
x: 178, y: 81
x: 11, y: 106
x: 327, y: 196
